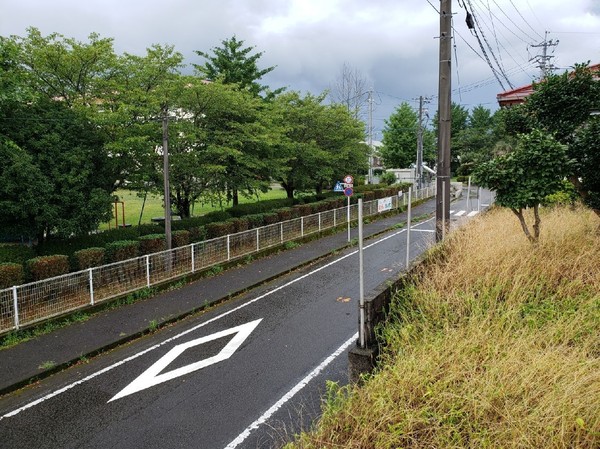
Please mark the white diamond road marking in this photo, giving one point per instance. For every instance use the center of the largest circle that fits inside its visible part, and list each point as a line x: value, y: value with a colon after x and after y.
x: 472, y: 213
x: 151, y: 376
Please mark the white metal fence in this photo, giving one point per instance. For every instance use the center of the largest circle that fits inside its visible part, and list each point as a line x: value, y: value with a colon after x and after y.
x: 37, y: 301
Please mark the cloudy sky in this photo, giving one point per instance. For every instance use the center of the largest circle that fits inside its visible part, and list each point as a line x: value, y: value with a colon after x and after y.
x: 391, y: 42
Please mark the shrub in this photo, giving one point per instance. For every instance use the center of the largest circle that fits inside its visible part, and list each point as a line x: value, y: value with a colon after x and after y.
x: 303, y: 209
x: 240, y: 224
x: 259, y: 207
x: 388, y: 178
x: 180, y: 238
x: 44, y: 267
x: 89, y: 257
x: 271, y: 218
x: 284, y: 214
x: 122, y: 250
x: 11, y: 274
x: 197, y: 233
x: 219, y: 229
x: 15, y: 253
x: 152, y: 243
x: 255, y: 220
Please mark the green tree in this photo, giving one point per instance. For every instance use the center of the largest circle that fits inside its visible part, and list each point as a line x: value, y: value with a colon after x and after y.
x: 400, y: 138
x: 63, y: 151
x: 526, y: 175
x: 232, y: 63
x: 474, y: 143
x: 564, y: 106
x: 321, y: 143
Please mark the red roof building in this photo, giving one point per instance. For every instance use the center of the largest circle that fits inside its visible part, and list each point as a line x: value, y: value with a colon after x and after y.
x: 518, y: 95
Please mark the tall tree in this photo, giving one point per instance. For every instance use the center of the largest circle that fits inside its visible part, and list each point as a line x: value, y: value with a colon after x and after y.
x: 350, y: 90
x: 474, y: 143
x: 400, y: 138
x: 322, y: 143
x: 232, y: 63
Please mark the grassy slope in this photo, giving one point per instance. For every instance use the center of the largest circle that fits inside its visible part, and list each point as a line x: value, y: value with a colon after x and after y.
x: 498, y: 346
x: 154, y: 206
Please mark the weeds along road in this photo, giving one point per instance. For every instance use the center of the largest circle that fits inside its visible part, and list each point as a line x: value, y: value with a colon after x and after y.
x: 249, y: 373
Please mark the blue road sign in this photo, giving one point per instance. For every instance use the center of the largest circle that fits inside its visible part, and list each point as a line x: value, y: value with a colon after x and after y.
x: 338, y: 187
x: 348, y: 191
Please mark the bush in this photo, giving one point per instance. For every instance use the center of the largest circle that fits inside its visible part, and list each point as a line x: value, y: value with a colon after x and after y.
x: 197, y: 233
x: 303, y: 209
x: 89, y: 257
x: 45, y: 267
x: 152, y: 243
x: 271, y: 218
x: 122, y: 250
x: 180, y: 238
x: 388, y: 178
x: 239, y: 224
x: 255, y: 220
x: 242, y: 210
x: 214, y: 230
x: 11, y: 274
x: 15, y: 253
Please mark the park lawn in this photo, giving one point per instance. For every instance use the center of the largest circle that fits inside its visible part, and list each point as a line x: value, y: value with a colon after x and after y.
x: 132, y: 205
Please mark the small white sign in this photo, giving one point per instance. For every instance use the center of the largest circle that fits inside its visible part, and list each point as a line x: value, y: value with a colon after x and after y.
x: 348, y: 179
x: 384, y: 204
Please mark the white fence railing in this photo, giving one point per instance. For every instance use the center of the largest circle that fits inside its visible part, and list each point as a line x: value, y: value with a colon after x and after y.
x: 37, y: 301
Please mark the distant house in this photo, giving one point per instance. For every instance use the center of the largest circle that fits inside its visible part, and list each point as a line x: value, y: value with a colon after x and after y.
x: 518, y: 95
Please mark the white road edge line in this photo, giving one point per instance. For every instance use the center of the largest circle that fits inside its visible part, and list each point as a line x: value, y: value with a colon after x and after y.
x: 169, y: 340
x: 290, y: 394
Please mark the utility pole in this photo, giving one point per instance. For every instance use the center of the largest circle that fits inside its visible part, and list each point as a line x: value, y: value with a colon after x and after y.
x: 543, y: 60
x: 419, y: 170
x: 370, y: 136
x: 165, y: 145
x: 442, y: 211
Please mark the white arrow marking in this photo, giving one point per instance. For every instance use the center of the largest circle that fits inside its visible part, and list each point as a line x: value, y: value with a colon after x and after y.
x: 151, y: 376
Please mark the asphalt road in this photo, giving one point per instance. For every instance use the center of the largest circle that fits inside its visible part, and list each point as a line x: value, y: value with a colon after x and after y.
x: 249, y: 373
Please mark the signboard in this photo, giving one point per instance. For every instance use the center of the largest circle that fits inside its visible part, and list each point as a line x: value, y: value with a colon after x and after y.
x: 348, y: 191
x: 384, y: 204
x: 348, y: 179
x: 338, y: 187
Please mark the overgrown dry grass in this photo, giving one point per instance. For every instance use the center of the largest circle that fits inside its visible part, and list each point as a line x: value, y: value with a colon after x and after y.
x: 496, y: 346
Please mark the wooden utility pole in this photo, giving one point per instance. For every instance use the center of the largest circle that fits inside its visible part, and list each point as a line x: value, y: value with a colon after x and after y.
x: 165, y: 145
x: 419, y: 171
x: 442, y: 212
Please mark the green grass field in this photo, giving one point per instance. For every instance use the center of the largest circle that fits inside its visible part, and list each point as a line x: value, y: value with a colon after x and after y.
x: 154, y: 206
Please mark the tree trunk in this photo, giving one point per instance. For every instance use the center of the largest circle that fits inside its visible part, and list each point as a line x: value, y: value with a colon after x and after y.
x: 289, y: 189
x: 235, y: 197
x: 519, y: 214
x: 536, y: 225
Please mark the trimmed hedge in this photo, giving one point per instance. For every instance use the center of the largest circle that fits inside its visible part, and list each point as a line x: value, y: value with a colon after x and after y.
x: 11, y: 274
x: 180, y: 238
x: 152, y: 243
x: 15, y: 253
x: 240, y: 224
x: 260, y: 207
x: 89, y: 257
x: 219, y: 229
x: 45, y: 267
x: 122, y: 250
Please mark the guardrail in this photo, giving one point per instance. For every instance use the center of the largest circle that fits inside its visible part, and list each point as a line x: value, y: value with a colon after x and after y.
x: 30, y: 303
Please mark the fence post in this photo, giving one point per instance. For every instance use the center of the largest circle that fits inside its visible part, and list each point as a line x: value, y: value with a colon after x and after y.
x: 281, y: 229
x: 257, y: 240
x: 91, y: 287
x: 147, y: 271
x: 228, y: 248
x: 319, y: 221
x: 301, y: 226
x: 334, y: 217
x: 16, y: 307
x: 193, y: 249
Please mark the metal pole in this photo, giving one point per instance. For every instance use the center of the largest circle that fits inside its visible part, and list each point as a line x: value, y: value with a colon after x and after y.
x: 408, y: 228
x: 444, y: 113
x: 469, y: 195
x: 91, y: 287
x: 193, y: 249
x: 478, y: 199
x: 167, y: 191
x: 257, y: 240
x: 348, y: 216
x: 15, y: 307
x: 147, y: 271
x: 361, y: 280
